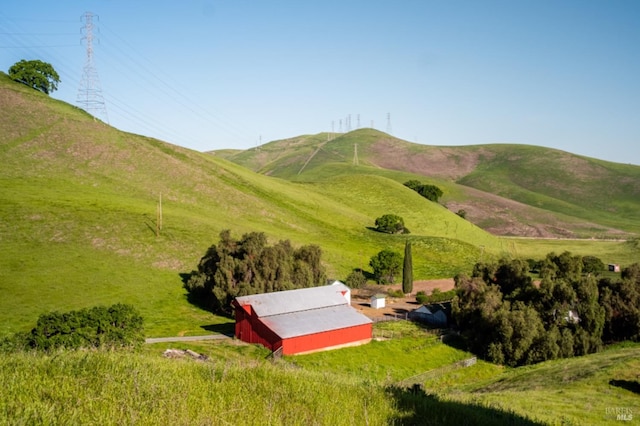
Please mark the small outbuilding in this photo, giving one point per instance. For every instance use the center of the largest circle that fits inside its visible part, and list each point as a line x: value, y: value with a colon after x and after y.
x: 301, y: 321
x: 613, y: 267
x: 378, y: 301
x: 436, y: 314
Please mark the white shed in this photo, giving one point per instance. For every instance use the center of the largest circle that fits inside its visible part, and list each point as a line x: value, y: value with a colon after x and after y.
x: 378, y: 301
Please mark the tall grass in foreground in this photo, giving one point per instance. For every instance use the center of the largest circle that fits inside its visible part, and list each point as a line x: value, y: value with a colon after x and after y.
x: 124, y: 388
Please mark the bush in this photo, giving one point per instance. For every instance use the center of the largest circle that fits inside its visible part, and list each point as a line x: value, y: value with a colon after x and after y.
x: 356, y: 279
x: 430, y: 192
x: 386, y: 265
x: 395, y: 293
x: 435, y: 297
x: 116, y: 326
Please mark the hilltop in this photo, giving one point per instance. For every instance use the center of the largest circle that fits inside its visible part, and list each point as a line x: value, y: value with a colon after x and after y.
x: 506, y: 189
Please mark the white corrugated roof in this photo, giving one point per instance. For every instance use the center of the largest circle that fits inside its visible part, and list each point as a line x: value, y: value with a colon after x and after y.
x: 313, y: 321
x: 290, y: 301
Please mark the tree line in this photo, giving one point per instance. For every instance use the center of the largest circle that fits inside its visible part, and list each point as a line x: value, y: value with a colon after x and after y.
x: 249, y: 265
x: 507, y: 318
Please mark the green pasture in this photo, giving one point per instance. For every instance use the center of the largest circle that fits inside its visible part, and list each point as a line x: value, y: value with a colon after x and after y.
x: 403, y: 350
x: 574, y: 391
x: 360, y: 385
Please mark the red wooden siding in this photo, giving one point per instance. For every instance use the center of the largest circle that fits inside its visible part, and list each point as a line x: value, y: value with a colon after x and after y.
x: 250, y: 329
x: 327, y: 339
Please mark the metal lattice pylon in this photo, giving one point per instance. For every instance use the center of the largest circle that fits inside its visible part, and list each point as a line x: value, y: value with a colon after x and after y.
x: 90, y: 93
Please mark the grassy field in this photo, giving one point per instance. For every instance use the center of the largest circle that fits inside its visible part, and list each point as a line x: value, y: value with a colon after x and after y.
x: 576, y: 391
x: 353, y: 386
x: 79, y: 228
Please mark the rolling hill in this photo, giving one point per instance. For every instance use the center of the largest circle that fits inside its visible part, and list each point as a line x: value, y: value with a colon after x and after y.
x: 79, y: 203
x: 516, y: 190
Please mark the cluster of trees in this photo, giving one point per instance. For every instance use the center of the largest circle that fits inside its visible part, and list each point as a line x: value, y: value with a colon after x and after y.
x: 119, y: 325
x: 430, y: 192
x: 508, y: 319
x: 36, y: 74
x: 249, y: 266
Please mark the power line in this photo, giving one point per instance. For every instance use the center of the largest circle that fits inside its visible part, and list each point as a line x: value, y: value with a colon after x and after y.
x: 90, y: 92
x: 27, y: 42
x: 42, y: 46
x: 170, y: 89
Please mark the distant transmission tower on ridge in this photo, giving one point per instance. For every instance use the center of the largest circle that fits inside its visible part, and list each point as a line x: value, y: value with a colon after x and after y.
x: 90, y: 93
x: 389, y: 122
x: 355, y: 154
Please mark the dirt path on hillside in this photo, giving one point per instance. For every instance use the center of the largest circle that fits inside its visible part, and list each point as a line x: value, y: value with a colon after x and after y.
x: 361, y: 298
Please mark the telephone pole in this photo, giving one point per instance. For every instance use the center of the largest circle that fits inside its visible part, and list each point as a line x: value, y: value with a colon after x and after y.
x: 90, y: 93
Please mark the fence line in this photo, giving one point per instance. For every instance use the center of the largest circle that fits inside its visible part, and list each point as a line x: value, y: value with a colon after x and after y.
x: 391, y: 317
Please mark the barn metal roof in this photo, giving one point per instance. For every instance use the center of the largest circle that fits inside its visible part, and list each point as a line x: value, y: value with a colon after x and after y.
x: 302, y: 323
x: 290, y: 301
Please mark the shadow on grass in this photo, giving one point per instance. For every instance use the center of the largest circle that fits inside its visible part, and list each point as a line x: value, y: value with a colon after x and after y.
x: 626, y: 384
x: 228, y: 329
x: 419, y: 408
x: 184, y: 276
x: 368, y: 275
x: 455, y: 341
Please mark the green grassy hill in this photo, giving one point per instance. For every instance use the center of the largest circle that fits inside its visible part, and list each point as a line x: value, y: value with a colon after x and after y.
x: 79, y: 202
x: 507, y: 189
x: 79, y: 227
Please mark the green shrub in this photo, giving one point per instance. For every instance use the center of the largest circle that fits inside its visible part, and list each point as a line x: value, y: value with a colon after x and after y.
x: 421, y: 297
x: 116, y: 326
x: 395, y: 293
x: 356, y: 279
x: 436, y: 296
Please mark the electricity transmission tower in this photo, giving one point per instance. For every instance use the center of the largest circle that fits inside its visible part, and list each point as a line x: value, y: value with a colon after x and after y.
x: 90, y: 93
x: 389, y: 123
x: 355, y: 154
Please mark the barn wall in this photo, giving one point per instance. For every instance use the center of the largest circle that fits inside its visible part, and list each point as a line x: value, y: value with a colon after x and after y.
x: 243, y: 324
x: 318, y: 341
x: 250, y: 329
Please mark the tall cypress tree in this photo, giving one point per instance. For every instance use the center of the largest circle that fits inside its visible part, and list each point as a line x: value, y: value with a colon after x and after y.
x: 407, y: 270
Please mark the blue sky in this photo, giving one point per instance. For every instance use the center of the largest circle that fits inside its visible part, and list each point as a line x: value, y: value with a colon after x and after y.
x: 208, y: 74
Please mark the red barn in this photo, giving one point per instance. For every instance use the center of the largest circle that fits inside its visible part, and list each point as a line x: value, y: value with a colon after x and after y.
x: 301, y: 321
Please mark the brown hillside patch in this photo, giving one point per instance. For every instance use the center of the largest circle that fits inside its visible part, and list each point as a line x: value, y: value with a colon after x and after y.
x: 439, y: 162
x: 501, y: 216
